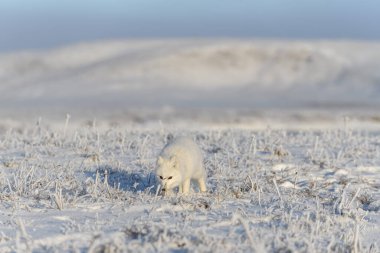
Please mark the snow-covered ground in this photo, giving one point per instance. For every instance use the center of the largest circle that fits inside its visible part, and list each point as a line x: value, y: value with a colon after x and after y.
x: 202, y: 72
x: 93, y: 189
x: 290, y: 132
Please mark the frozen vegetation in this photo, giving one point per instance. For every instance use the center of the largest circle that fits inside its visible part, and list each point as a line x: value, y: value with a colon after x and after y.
x: 289, y: 130
x: 89, y: 188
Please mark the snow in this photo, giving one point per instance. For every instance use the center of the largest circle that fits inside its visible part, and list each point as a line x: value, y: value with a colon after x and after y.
x: 92, y: 189
x: 81, y: 128
x: 225, y: 71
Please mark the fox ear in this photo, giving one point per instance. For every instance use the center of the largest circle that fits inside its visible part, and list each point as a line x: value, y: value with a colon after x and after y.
x: 160, y: 160
x: 173, y: 160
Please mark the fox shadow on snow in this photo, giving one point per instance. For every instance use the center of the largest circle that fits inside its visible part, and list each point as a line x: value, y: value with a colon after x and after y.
x: 124, y: 180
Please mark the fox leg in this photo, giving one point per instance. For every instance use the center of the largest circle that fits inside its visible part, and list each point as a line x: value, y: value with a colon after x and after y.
x: 202, y: 184
x: 186, y: 186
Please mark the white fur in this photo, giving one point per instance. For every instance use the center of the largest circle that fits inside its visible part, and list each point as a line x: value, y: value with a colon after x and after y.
x: 179, y: 163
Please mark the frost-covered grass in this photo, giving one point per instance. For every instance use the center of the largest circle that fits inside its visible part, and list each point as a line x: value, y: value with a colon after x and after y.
x: 91, y: 189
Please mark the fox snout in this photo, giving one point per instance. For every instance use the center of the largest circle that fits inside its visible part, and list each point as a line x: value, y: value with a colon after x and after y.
x: 164, y: 192
x: 163, y: 189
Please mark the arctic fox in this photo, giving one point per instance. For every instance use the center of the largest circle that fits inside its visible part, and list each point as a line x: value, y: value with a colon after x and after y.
x: 178, y: 163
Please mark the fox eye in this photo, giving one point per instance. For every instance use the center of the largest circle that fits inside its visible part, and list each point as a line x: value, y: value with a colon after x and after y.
x: 170, y: 177
x: 161, y: 177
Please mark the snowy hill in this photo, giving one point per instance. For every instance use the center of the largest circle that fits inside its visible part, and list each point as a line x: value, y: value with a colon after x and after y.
x: 195, y: 73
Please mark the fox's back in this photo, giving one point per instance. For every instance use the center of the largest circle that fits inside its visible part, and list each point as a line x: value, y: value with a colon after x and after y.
x: 188, y: 155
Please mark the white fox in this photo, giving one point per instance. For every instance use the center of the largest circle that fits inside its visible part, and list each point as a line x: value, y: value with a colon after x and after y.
x: 178, y: 163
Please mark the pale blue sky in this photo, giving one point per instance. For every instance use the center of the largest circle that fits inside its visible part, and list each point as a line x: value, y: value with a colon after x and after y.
x: 28, y: 24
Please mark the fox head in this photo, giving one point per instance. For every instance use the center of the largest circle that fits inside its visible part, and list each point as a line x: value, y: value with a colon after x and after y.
x: 168, y: 173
